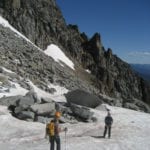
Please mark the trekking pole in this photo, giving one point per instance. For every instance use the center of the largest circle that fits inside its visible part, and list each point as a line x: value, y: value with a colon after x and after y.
x: 65, y: 140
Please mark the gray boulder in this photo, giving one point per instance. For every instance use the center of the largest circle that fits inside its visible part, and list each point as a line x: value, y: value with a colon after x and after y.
x: 29, y: 99
x: 44, y: 109
x: 82, y: 112
x: 68, y: 119
x: 26, y: 115
x: 26, y: 101
x: 83, y: 98
x: 12, y: 100
x: 101, y: 107
x: 18, y: 110
x: 33, y: 95
x: 42, y: 119
x: 64, y: 109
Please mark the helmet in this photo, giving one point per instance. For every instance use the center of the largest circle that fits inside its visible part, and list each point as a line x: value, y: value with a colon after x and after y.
x: 57, y: 114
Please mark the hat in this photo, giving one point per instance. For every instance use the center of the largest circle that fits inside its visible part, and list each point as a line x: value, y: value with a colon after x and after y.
x: 57, y: 114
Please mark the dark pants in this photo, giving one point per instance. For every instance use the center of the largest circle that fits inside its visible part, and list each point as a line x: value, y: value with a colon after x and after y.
x: 52, y: 140
x: 107, y: 127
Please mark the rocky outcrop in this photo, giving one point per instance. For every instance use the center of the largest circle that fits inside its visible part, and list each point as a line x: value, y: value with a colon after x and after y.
x: 82, y: 112
x: 34, y: 19
x: 42, y: 22
x: 94, y: 47
x: 30, y: 109
x: 28, y: 61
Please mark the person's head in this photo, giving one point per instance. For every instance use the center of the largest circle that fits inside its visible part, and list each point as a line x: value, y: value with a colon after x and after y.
x: 57, y: 115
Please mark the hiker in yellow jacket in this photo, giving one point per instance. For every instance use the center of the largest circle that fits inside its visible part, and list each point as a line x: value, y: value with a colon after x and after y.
x: 52, y: 130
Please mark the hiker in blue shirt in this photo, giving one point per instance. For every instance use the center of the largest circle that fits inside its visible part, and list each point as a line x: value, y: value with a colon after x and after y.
x: 108, y: 124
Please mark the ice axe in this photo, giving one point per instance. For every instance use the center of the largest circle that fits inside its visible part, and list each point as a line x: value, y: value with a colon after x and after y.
x: 65, y: 138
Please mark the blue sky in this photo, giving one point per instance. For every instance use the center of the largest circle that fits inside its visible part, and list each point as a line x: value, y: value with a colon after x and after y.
x: 124, y: 25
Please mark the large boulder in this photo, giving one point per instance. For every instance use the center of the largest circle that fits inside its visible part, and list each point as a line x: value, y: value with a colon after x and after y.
x: 26, y: 101
x: 29, y: 99
x: 44, y: 109
x: 33, y: 95
x: 83, y: 98
x: 42, y: 119
x: 8, y: 101
x: 26, y: 115
x: 82, y: 112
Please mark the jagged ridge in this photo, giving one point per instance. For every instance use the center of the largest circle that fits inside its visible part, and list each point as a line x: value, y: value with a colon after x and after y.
x: 42, y: 22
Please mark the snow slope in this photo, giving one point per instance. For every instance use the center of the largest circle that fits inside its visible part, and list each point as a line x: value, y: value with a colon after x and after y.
x: 58, y: 96
x: 16, y: 89
x: 57, y: 54
x: 130, y: 131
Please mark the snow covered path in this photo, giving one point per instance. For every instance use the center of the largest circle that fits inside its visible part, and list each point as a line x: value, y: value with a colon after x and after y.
x: 130, y: 131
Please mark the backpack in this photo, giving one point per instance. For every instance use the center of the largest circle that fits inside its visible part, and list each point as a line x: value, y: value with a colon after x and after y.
x: 50, y: 128
x: 108, y: 120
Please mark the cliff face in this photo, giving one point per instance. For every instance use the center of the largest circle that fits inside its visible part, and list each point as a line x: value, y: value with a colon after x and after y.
x: 42, y: 22
x: 39, y: 20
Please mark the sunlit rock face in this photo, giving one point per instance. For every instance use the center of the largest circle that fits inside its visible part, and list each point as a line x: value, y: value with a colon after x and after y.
x: 42, y: 22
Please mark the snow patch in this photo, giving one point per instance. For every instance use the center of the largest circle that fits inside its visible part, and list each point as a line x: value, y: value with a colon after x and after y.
x: 57, y: 54
x: 14, y: 90
x: 57, y: 96
x: 88, y: 71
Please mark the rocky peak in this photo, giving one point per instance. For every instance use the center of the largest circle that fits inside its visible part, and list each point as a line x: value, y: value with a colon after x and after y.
x: 109, y: 53
x: 96, y: 40
x: 94, y: 47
